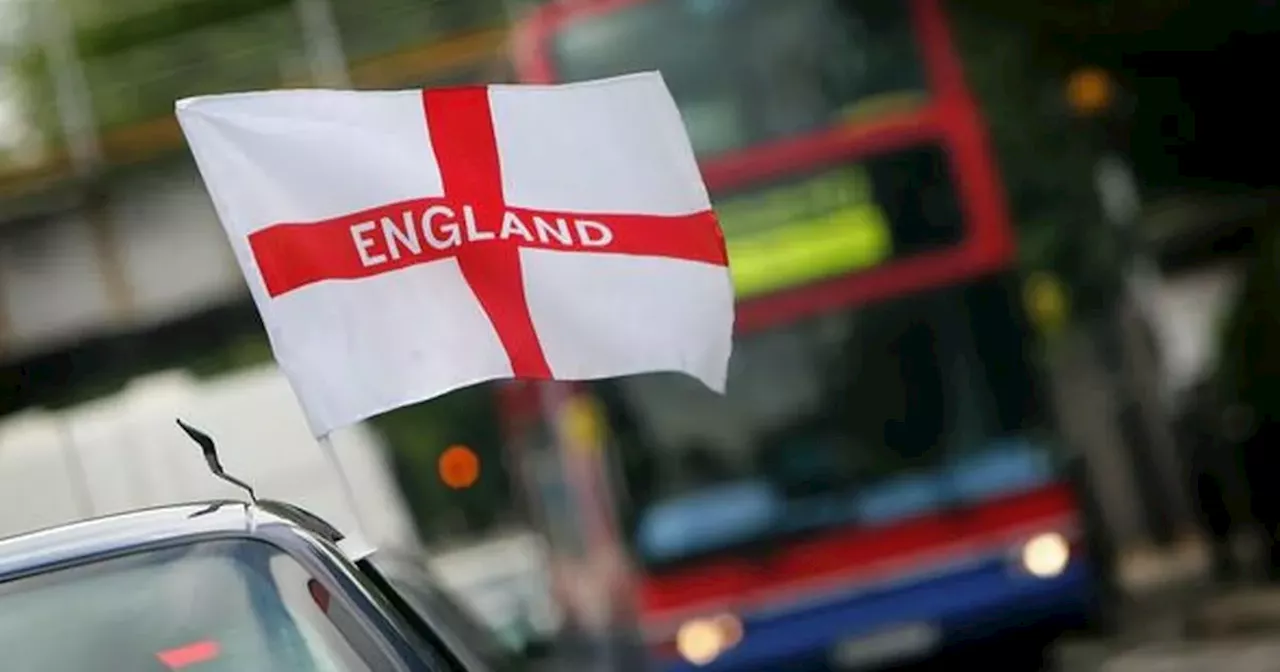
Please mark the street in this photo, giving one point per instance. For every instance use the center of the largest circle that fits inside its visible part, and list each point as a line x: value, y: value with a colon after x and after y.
x: 1259, y: 655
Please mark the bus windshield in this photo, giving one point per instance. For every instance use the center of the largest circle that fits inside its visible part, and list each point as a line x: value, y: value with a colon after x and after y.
x: 855, y: 418
x: 220, y: 605
x: 750, y: 71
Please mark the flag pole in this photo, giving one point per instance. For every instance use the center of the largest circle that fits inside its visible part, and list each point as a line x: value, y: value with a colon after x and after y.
x: 348, y: 493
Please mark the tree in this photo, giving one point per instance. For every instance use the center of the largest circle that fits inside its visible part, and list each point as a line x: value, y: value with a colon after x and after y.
x: 140, y: 56
x: 1018, y: 71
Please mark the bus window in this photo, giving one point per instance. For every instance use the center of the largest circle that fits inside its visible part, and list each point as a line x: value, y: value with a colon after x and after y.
x: 749, y: 71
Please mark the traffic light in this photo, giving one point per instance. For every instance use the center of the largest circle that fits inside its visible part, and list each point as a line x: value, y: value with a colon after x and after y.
x: 1090, y: 91
x: 1046, y: 302
x: 1102, y: 107
x: 459, y: 467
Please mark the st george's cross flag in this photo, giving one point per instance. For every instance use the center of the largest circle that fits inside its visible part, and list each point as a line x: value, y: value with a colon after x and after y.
x: 403, y: 244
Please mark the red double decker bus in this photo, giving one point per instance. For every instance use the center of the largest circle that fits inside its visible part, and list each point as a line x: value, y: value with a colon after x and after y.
x: 880, y: 481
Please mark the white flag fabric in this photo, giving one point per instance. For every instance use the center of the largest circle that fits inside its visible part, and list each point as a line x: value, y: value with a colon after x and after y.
x: 402, y: 244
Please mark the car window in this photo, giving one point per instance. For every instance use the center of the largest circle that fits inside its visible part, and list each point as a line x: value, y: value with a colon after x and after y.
x: 434, y: 605
x: 239, y: 606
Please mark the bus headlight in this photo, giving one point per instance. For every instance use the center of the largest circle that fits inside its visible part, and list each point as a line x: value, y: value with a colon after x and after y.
x: 703, y: 640
x: 1046, y: 555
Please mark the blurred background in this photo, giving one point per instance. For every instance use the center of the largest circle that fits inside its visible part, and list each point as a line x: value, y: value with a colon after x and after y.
x: 1004, y: 373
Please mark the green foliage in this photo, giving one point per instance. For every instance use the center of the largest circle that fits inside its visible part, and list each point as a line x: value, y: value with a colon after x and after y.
x: 137, y: 67
x: 1249, y: 367
x: 1045, y: 155
x: 248, y: 350
x: 80, y: 394
x: 417, y: 435
x: 374, y: 27
x: 139, y: 62
x: 171, y: 18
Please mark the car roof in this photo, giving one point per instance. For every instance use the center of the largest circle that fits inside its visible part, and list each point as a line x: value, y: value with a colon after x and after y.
x: 123, y: 532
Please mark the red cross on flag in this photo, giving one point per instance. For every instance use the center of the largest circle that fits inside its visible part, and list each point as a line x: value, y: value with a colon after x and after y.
x: 403, y: 244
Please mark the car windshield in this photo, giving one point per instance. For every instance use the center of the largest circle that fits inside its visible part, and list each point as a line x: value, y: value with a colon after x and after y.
x: 853, y: 418
x: 750, y: 71
x: 238, y: 606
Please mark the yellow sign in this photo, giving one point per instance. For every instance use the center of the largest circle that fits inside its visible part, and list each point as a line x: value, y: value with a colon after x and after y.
x: 583, y: 423
x: 804, y: 232
x: 1046, y: 302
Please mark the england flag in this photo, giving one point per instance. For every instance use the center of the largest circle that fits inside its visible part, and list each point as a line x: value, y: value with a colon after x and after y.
x: 403, y: 244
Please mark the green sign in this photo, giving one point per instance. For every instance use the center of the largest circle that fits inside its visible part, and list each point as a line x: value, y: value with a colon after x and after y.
x: 805, y: 231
